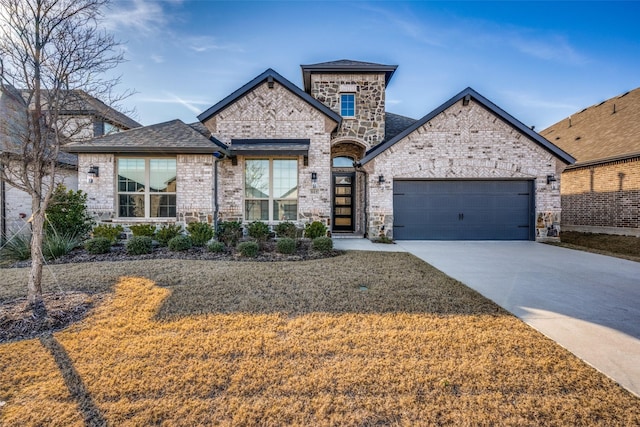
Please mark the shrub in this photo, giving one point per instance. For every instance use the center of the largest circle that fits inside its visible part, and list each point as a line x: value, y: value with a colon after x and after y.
x: 248, y: 249
x: 56, y: 244
x: 258, y: 230
x: 288, y: 229
x: 111, y: 232
x: 168, y: 232
x: 216, y: 247
x: 229, y: 232
x: 180, y: 243
x: 138, y: 245
x: 98, y: 245
x: 67, y: 213
x: 17, y: 248
x: 322, y: 244
x: 315, y: 229
x: 143, y: 229
x: 286, y: 245
x: 200, y: 233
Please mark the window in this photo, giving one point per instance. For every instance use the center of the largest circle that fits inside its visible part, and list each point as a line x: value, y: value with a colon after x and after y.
x: 342, y: 162
x: 348, y: 105
x: 271, y: 190
x: 146, y: 188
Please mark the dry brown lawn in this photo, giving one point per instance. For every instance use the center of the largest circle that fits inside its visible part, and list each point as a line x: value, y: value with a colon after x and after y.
x: 627, y: 247
x: 360, y: 339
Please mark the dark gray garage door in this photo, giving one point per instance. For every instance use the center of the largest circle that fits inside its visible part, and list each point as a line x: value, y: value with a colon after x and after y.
x: 463, y: 210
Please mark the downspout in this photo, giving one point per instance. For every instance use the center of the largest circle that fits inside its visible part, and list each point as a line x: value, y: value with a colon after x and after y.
x: 215, y: 194
x: 3, y: 209
x: 366, y: 207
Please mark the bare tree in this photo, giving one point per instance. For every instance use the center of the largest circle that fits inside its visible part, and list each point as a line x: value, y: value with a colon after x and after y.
x: 50, y: 50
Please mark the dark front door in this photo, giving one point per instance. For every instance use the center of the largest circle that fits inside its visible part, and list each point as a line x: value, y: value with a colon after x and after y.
x: 343, y: 201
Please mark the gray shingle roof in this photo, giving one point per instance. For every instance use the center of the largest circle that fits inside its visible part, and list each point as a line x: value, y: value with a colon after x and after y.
x: 345, y: 66
x: 394, y: 124
x: 472, y: 94
x: 169, y: 137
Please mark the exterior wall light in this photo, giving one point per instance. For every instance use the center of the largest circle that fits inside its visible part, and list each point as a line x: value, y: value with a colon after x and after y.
x: 314, y: 180
x: 550, y: 179
x: 93, y: 173
x: 381, y: 179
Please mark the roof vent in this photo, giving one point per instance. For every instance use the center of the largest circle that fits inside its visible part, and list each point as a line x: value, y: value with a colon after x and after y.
x: 466, y: 99
x: 270, y: 82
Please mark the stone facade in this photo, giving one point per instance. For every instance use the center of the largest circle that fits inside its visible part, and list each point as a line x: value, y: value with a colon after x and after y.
x: 463, y: 142
x: 602, y: 197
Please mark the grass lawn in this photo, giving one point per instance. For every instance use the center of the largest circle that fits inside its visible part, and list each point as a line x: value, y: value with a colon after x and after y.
x: 627, y: 247
x: 366, y: 338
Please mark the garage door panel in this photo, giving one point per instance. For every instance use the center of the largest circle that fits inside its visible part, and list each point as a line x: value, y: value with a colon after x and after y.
x: 463, y: 210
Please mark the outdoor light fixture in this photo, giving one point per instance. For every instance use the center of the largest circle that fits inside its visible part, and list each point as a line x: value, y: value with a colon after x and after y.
x: 381, y: 179
x: 551, y: 178
x: 314, y: 180
x: 92, y: 174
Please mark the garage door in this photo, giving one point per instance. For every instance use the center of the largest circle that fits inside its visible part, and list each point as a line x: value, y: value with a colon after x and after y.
x: 463, y: 210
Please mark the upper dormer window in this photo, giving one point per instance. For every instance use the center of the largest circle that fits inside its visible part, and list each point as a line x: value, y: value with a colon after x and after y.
x: 348, y: 104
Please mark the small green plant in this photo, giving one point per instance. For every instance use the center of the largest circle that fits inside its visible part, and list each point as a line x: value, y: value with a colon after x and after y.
x: 286, y: 245
x: 180, y: 243
x: 229, y: 232
x: 67, y: 213
x: 288, y: 229
x: 248, y: 249
x: 98, y: 245
x: 56, y: 244
x: 258, y: 230
x: 167, y: 232
x: 322, y: 244
x: 139, y: 245
x: 200, y: 233
x: 315, y: 229
x: 143, y: 229
x: 111, y: 232
x: 216, y: 246
x: 383, y: 239
x: 17, y: 248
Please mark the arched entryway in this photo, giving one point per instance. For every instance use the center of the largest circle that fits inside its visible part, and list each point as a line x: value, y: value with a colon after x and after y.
x: 347, y: 188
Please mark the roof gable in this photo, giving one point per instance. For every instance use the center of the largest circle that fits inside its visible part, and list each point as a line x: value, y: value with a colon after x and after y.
x: 345, y: 66
x: 169, y: 137
x: 468, y: 94
x: 608, y: 130
x: 269, y: 75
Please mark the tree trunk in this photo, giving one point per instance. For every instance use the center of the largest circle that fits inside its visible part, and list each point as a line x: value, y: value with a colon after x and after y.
x: 34, y: 286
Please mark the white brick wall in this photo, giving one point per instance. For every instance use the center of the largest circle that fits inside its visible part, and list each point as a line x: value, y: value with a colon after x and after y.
x: 464, y: 142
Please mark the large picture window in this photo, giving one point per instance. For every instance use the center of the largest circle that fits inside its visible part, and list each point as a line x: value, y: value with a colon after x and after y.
x: 146, y: 188
x: 271, y: 190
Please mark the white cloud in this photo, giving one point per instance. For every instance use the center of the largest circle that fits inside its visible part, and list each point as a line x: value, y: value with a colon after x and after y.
x: 549, y: 48
x: 205, y: 43
x: 190, y: 104
x: 158, y: 59
x: 140, y: 15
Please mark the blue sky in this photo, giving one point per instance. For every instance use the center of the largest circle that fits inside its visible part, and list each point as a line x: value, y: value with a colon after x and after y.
x: 540, y: 61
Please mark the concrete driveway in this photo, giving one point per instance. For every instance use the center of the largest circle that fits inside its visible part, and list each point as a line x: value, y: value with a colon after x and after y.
x: 588, y: 303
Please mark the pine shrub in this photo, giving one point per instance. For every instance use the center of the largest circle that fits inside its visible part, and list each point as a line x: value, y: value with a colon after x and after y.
x: 286, y: 245
x: 143, y: 230
x: 248, y: 249
x: 258, y: 230
x: 229, y: 232
x: 139, y: 245
x: 180, y: 243
x: 315, y: 229
x: 168, y: 232
x: 98, y: 245
x: 216, y: 246
x: 200, y: 233
x: 111, y: 232
x: 322, y: 244
x: 288, y: 229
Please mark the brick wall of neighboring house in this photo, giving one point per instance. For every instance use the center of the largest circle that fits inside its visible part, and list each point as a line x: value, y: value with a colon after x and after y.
x: 463, y: 142
x: 602, y: 196
x: 368, y: 124
x: 275, y: 113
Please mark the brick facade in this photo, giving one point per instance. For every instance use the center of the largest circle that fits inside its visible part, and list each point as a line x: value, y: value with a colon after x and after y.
x: 466, y: 142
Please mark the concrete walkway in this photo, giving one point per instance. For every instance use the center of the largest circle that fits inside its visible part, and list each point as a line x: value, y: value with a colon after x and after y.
x: 588, y: 303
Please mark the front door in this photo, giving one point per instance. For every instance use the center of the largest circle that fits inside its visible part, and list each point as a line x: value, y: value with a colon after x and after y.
x: 343, y: 202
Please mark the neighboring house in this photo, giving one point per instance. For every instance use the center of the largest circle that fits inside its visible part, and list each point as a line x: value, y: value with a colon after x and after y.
x: 84, y: 117
x: 271, y: 151
x: 601, y: 191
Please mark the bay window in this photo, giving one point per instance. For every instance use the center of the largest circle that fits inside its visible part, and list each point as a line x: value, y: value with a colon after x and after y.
x: 146, y: 188
x: 271, y: 190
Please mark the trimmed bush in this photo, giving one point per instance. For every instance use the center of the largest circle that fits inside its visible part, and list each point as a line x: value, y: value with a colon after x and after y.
x: 322, y: 244
x: 229, y: 232
x: 139, y: 245
x: 286, y: 245
x: 248, y: 249
x: 167, y: 232
x: 287, y: 229
x: 315, y: 229
x: 67, y: 213
x: 200, y: 233
x: 216, y: 247
x: 143, y: 229
x: 17, y: 248
x: 56, y: 245
x: 111, y: 232
x: 258, y: 230
x: 180, y: 243
x: 98, y: 245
